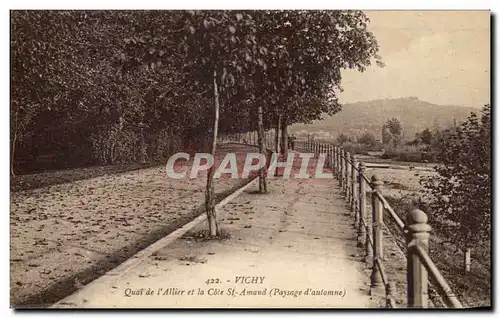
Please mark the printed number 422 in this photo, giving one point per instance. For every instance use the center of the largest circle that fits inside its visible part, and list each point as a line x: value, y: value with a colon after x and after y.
x: 212, y: 281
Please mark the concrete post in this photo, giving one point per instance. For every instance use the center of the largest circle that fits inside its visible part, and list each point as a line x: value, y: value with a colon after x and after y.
x: 377, y: 286
x: 354, y: 189
x: 417, y: 276
x: 349, y: 180
x: 330, y: 153
x: 341, y: 169
x: 327, y: 151
x: 362, y: 205
x: 344, y: 168
x: 335, y: 159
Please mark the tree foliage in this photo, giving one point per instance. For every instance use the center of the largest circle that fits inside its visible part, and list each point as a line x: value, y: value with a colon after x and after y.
x: 392, y: 131
x: 461, y: 191
x: 108, y: 87
x: 426, y: 136
x: 342, y: 139
x: 367, y: 139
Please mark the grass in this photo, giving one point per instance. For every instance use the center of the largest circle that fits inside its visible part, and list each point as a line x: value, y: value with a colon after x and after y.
x: 361, y: 149
x: 403, y: 192
x: 404, y: 153
x: 410, y: 153
x: 472, y: 288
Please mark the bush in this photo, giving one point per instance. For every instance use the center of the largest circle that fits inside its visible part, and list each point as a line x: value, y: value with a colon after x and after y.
x: 410, y: 153
x: 461, y: 191
x: 361, y: 149
x: 367, y: 139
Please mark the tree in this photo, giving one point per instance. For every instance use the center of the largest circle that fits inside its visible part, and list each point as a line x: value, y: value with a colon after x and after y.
x: 461, y: 191
x: 367, y: 139
x: 342, y: 139
x: 223, y: 54
x: 391, y: 132
x: 89, y: 79
x: 306, y: 51
x: 111, y: 85
x: 426, y: 136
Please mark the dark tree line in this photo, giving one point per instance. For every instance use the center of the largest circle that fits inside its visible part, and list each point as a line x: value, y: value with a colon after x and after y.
x: 107, y: 87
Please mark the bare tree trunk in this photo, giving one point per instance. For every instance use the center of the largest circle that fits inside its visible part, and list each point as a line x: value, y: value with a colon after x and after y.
x: 467, y: 260
x: 260, y: 137
x: 209, y: 192
x: 277, y: 134
x: 277, y: 131
x: 143, y: 147
x: 14, y: 140
x: 284, y: 139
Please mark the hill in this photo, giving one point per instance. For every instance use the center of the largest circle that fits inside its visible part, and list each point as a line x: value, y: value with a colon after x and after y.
x: 356, y: 118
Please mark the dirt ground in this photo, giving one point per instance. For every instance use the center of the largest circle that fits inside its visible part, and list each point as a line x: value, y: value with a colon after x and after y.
x: 401, y: 187
x: 298, y: 238
x: 64, y: 235
x: 400, y: 182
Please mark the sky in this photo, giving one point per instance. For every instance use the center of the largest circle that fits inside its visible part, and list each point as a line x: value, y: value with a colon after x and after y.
x: 442, y: 57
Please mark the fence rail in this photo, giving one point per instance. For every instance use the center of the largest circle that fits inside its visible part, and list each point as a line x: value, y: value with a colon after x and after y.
x: 354, y: 185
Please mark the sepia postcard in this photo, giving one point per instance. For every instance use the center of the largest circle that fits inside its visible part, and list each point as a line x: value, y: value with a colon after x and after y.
x: 250, y: 159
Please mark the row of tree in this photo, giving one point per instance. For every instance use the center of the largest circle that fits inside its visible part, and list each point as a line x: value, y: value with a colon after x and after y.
x: 107, y: 87
x: 392, y: 132
x: 460, y: 193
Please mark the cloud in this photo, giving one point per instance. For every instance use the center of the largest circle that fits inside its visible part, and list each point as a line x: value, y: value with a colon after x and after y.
x: 444, y: 66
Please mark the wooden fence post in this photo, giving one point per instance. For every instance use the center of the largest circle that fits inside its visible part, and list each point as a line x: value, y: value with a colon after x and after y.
x: 377, y: 286
x: 417, y: 276
x: 362, y: 206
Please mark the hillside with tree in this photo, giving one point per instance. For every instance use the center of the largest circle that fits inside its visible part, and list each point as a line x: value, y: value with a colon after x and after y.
x: 357, y: 118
